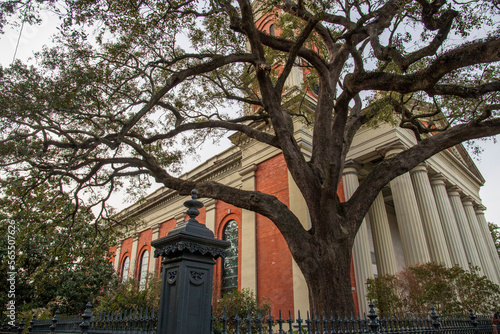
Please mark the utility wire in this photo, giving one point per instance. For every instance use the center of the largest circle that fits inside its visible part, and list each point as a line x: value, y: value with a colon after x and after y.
x: 18, y: 40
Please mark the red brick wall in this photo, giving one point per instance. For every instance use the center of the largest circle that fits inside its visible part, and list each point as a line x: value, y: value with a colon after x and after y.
x: 274, y: 260
x: 164, y: 229
x: 126, y: 251
x: 112, y: 255
x: 202, y: 217
x: 340, y: 191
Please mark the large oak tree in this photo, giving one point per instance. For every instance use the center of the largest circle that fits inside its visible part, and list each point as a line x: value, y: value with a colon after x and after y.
x: 160, y: 73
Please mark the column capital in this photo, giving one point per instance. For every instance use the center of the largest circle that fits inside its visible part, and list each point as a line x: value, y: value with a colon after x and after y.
x: 438, y: 179
x: 391, y: 149
x: 210, y: 203
x: 351, y: 167
x: 454, y: 191
x: 480, y: 208
x: 422, y: 167
x: 467, y: 201
x: 135, y: 236
x: 180, y: 217
x: 248, y: 170
x: 156, y: 228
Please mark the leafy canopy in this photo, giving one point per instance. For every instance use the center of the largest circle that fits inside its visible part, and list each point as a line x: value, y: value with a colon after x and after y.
x: 60, y: 256
x: 129, y: 81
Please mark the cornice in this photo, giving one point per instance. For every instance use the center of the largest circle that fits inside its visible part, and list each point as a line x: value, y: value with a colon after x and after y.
x: 219, y: 167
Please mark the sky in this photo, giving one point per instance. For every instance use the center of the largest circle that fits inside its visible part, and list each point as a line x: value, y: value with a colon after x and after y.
x: 34, y: 37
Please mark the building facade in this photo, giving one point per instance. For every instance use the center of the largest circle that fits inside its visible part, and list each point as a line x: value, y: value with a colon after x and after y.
x: 433, y: 213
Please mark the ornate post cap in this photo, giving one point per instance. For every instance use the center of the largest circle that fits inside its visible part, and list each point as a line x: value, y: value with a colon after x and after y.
x: 190, y: 236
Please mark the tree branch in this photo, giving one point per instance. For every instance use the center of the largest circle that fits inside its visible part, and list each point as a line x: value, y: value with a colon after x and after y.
x: 478, y: 52
x: 292, y: 56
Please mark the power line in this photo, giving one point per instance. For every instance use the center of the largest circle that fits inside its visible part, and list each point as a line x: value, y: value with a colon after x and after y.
x: 18, y: 40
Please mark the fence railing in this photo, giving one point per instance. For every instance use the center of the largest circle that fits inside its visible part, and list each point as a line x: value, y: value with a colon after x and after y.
x: 144, y: 321
x: 133, y: 321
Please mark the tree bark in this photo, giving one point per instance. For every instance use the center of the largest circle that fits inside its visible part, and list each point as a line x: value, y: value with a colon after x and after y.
x: 327, y: 271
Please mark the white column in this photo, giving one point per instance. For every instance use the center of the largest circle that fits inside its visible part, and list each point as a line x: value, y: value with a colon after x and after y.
x: 361, y: 255
x: 463, y: 228
x: 382, y: 240
x: 299, y: 208
x: 450, y: 228
x: 152, y: 260
x: 477, y: 236
x: 210, y: 215
x: 248, y: 235
x: 430, y: 216
x: 133, y: 255
x: 408, y: 216
x: 488, y: 240
x: 116, y: 262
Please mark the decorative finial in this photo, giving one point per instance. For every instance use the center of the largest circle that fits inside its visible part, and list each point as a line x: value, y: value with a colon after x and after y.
x: 55, y: 319
x: 435, y: 318
x: 473, y: 317
x: 374, y: 324
x: 193, y: 205
x: 86, y: 316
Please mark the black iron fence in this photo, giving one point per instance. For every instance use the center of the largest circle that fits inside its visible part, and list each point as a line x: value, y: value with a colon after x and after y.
x: 144, y: 321
x: 133, y: 321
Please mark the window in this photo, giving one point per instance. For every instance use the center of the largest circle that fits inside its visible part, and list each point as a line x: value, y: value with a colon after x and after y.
x: 271, y: 30
x: 124, y: 270
x: 143, y: 270
x: 230, y: 263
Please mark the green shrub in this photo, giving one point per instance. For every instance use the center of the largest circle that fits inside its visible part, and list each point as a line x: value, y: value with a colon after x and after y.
x: 449, y: 290
x: 244, y: 301
x: 127, y: 296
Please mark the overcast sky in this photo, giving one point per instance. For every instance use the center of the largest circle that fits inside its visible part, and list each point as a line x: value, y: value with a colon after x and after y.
x: 34, y: 37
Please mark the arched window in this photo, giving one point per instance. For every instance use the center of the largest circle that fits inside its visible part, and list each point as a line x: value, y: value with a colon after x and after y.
x: 143, y: 270
x: 271, y: 30
x: 230, y: 263
x: 124, y: 270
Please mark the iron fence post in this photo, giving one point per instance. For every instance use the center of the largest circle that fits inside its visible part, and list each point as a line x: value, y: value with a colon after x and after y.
x: 54, y: 322
x: 435, y: 319
x: 32, y: 323
x: 86, y: 316
x: 373, y: 318
x: 188, y: 253
x: 473, y: 320
x: 20, y: 328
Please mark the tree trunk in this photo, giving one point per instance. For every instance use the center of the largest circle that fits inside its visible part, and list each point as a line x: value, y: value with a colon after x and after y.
x: 327, y: 271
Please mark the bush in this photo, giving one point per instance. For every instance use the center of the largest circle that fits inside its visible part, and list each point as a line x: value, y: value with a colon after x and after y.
x: 449, y: 290
x: 384, y: 293
x: 243, y: 301
x: 127, y: 296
